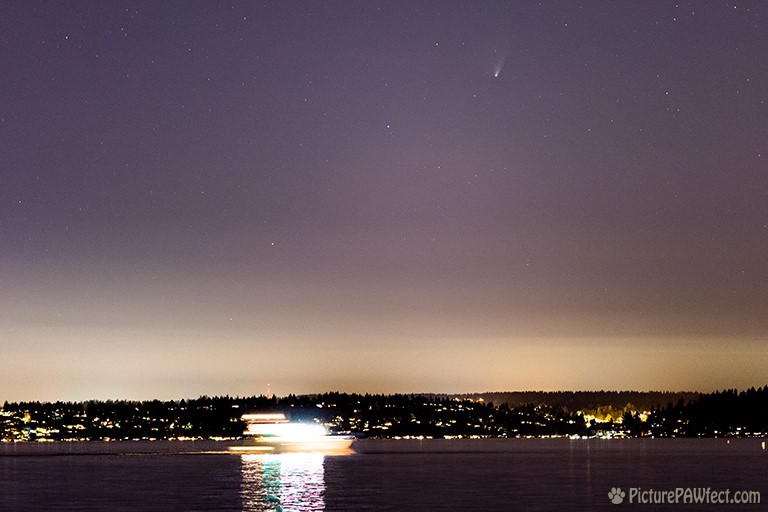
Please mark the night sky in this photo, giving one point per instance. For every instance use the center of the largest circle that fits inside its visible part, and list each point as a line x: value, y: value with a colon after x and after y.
x: 206, y: 197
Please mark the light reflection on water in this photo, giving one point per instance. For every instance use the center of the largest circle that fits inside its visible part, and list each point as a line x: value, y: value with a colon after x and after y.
x: 283, y: 482
x: 499, y: 475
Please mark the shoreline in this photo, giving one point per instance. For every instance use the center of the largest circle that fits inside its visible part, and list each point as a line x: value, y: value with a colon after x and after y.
x: 382, y: 446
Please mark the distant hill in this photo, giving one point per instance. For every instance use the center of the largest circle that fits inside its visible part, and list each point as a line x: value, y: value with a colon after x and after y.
x: 572, y: 401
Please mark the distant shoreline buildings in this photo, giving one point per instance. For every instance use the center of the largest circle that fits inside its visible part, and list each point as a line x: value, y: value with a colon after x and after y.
x: 607, y: 414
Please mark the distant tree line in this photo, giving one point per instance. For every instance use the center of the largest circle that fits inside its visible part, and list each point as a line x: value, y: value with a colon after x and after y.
x: 724, y: 413
x: 586, y: 400
x: 721, y: 413
x: 204, y: 417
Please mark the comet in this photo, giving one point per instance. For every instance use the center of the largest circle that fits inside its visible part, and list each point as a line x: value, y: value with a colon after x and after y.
x: 497, y: 68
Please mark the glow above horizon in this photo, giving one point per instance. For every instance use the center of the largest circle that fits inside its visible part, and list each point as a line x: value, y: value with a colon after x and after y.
x: 201, y: 200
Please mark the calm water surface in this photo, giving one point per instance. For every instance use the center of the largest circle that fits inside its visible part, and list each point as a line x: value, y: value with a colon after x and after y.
x: 383, y: 475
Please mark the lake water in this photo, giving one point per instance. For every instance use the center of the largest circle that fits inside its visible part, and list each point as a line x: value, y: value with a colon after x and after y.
x: 381, y: 475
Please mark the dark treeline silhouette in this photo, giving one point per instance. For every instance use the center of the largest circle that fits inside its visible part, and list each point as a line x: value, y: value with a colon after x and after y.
x: 431, y: 416
x: 585, y: 400
x: 725, y: 413
x: 203, y: 417
x: 721, y: 413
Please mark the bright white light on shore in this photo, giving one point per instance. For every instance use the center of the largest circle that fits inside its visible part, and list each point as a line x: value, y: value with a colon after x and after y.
x: 265, y: 417
x: 272, y: 432
x: 287, y: 431
x: 276, y: 425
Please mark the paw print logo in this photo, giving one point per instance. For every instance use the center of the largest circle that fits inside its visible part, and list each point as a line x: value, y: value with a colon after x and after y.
x: 616, y: 495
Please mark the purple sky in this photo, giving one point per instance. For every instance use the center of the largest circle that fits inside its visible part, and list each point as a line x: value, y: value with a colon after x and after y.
x: 206, y: 197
